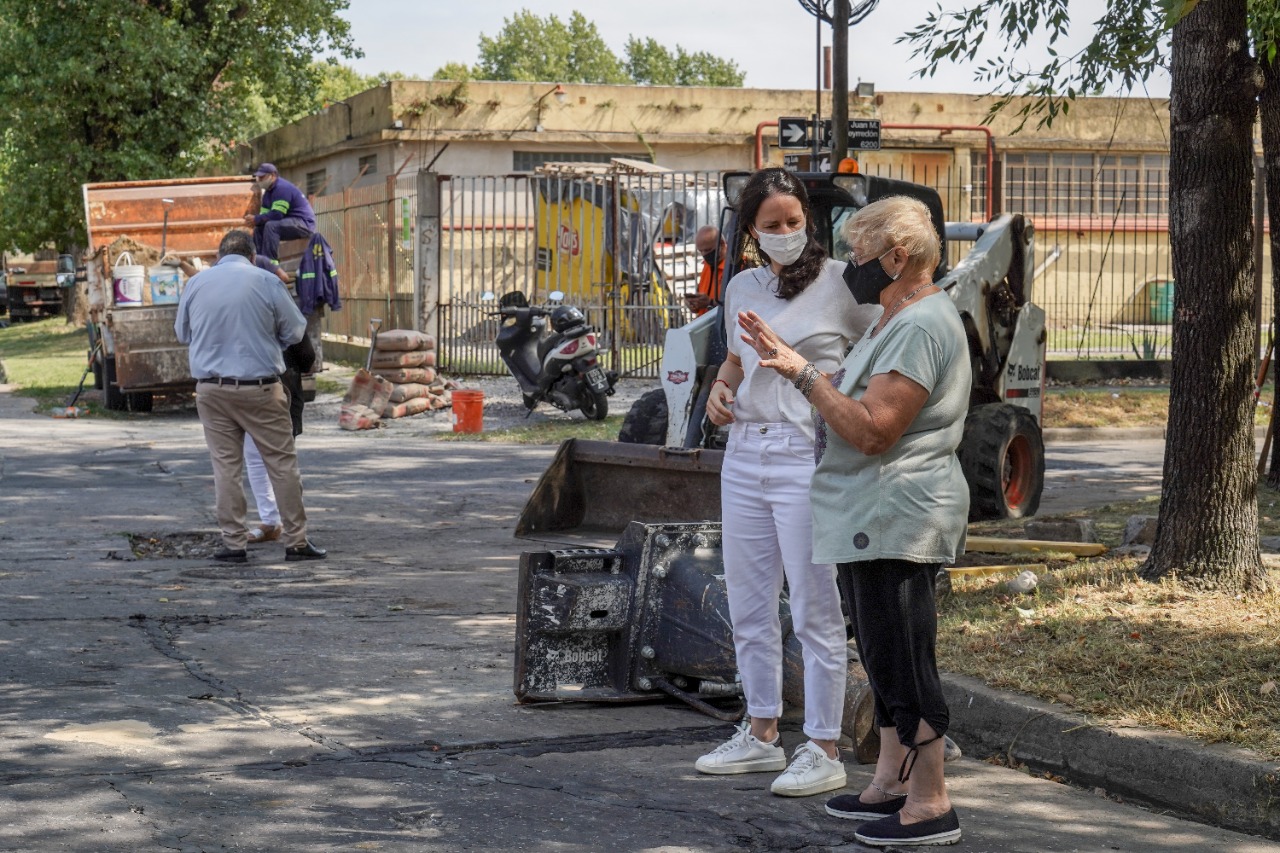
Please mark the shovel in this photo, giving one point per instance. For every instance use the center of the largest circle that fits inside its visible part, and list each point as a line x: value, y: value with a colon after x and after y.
x: 71, y: 410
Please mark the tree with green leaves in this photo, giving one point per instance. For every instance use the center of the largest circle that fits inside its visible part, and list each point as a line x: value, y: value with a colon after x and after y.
x: 106, y: 90
x: 531, y: 48
x: 650, y: 64
x: 1207, y: 532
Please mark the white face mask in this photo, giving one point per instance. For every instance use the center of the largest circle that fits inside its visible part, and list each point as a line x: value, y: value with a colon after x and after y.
x: 784, y: 248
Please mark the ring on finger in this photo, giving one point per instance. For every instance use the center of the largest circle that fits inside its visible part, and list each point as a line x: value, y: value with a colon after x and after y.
x: 773, y: 352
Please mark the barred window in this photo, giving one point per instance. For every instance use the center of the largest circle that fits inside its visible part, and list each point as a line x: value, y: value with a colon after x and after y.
x: 978, y: 185
x: 316, y: 181
x: 527, y: 161
x: 368, y: 165
x: 1086, y: 184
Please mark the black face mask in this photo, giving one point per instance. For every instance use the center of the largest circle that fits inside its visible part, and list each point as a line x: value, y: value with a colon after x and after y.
x: 867, y: 279
x: 712, y: 258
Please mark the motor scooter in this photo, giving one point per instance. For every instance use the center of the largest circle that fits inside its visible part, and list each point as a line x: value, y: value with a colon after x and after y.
x: 561, y: 367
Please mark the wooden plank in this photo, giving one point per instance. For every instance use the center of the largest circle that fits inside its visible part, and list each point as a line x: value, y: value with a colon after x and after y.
x: 995, y: 545
x: 982, y: 571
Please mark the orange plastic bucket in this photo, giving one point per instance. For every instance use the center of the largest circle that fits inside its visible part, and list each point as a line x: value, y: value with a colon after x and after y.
x: 468, y: 411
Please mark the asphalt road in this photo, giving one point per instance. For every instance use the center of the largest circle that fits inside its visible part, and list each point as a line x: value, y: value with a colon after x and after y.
x: 151, y: 700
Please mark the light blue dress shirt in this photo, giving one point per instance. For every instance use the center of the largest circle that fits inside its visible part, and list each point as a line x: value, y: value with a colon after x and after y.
x: 237, y: 319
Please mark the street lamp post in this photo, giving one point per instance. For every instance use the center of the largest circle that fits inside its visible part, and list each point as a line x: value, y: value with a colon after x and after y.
x: 848, y: 14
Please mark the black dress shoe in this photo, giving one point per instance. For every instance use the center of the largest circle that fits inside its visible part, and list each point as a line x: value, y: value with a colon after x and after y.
x: 231, y: 555
x: 305, y: 552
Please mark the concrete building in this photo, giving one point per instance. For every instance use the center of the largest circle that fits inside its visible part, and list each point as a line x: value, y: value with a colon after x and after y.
x: 1095, y: 183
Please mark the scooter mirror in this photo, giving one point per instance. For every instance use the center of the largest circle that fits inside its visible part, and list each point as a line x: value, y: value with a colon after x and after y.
x: 556, y: 296
x: 487, y: 296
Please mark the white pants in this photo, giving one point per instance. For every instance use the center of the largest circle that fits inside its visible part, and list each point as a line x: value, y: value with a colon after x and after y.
x: 264, y: 497
x: 768, y: 532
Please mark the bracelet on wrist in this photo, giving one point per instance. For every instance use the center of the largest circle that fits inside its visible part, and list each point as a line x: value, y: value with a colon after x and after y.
x: 726, y: 384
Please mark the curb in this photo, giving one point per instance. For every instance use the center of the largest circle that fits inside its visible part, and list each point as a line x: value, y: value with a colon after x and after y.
x: 1227, y: 787
x: 1068, y: 435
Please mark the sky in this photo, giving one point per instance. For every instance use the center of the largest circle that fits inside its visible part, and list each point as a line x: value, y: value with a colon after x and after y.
x: 773, y: 41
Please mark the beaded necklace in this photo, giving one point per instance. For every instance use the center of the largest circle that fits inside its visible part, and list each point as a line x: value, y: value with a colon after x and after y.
x: 896, y: 306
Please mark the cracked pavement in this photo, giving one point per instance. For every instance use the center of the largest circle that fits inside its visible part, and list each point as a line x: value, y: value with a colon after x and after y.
x: 166, y: 703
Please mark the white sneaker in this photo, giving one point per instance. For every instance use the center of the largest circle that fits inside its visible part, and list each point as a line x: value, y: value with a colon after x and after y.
x: 743, y: 753
x: 811, y: 772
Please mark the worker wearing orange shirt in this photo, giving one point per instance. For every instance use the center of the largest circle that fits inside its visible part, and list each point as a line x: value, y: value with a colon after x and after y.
x: 712, y: 247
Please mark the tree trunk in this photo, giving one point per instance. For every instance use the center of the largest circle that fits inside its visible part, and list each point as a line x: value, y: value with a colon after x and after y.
x: 1207, y: 532
x: 1269, y: 107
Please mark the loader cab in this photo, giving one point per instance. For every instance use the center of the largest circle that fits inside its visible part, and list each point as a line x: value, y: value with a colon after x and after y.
x: 833, y: 198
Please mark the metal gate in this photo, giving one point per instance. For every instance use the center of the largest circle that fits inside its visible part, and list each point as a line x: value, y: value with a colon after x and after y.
x: 617, y: 242
x: 370, y: 231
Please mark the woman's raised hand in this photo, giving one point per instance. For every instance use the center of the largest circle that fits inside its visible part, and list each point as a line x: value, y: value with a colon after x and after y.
x: 773, y: 351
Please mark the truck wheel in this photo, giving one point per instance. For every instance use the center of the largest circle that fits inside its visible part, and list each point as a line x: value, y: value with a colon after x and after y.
x: 140, y: 401
x: 112, y: 397
x: 1002, y: 455
x: 646, y: 423
x: 595, y: 405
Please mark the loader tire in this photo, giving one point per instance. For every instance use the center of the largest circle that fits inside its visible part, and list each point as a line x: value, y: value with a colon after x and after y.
x: 1002, y: 456
x: 646, y: 422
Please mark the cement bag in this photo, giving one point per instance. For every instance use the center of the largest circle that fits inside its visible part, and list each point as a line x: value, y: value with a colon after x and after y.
x: 412, y: 358
x: 442, y: 400
x: 408, y: 375
x: 368, y: 390
x: 408, y: 407
x: 410, y: 391
x: 353, y: 416
x: 400, y: 340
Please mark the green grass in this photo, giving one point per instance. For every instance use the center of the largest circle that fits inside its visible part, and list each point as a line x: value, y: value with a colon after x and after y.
x: 547, y: 432
x: 1110, y: 342
x: 46, y: 360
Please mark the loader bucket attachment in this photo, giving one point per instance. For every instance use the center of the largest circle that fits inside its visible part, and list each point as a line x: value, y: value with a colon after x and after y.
x: 646, y: 620
x: 596, y: 488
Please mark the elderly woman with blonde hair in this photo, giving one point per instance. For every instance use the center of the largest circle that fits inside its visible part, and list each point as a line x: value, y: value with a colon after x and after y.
x: 890, y: 503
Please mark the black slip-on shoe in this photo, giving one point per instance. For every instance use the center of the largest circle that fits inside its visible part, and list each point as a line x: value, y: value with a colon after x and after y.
x: 305, y: 552
x: 944, y: 829
x: 851, y: 807
x: 231, y: 555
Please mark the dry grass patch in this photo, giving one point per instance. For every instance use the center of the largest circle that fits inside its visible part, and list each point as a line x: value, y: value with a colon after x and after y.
x: 1095, y: 638
x: 1121, y: 408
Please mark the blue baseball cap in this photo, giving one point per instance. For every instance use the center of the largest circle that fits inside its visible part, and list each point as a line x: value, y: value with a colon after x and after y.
x: 265, y: 169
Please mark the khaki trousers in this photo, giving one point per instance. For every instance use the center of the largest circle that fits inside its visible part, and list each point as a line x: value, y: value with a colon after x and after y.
x: 227, y: 412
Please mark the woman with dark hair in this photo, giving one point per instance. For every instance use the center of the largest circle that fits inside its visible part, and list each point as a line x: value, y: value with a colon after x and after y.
x: 890, y: 502
x: 764, y: 487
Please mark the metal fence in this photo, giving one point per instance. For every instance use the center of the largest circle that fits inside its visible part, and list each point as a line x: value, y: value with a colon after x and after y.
x: 621, y: 247
x: 370, y: 231
x: 618, y: 245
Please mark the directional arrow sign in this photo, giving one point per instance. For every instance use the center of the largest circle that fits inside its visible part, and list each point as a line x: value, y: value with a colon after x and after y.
x: 793, y: 132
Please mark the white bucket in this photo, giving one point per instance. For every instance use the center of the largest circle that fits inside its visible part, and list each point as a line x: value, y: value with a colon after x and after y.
x: 126, y: 281
x: 166, y: 285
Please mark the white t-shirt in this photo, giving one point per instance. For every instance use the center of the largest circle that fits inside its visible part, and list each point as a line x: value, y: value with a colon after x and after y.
x: 819, y: 323
x: 912, y: 501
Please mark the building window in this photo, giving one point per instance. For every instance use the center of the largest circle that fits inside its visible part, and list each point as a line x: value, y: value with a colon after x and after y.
x: 1080, y: 184
x: 527, y: 161
x: 369, y: 165
x: 316, y: 181
x: 978, y: 186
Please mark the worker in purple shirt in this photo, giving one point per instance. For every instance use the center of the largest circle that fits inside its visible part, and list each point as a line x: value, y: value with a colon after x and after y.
x: 285, y: 214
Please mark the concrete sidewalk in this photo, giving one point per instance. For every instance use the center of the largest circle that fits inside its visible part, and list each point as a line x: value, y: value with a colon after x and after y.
x: 365, y: 702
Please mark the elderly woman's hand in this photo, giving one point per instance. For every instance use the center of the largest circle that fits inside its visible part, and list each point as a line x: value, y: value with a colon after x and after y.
x: 773, y: 351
